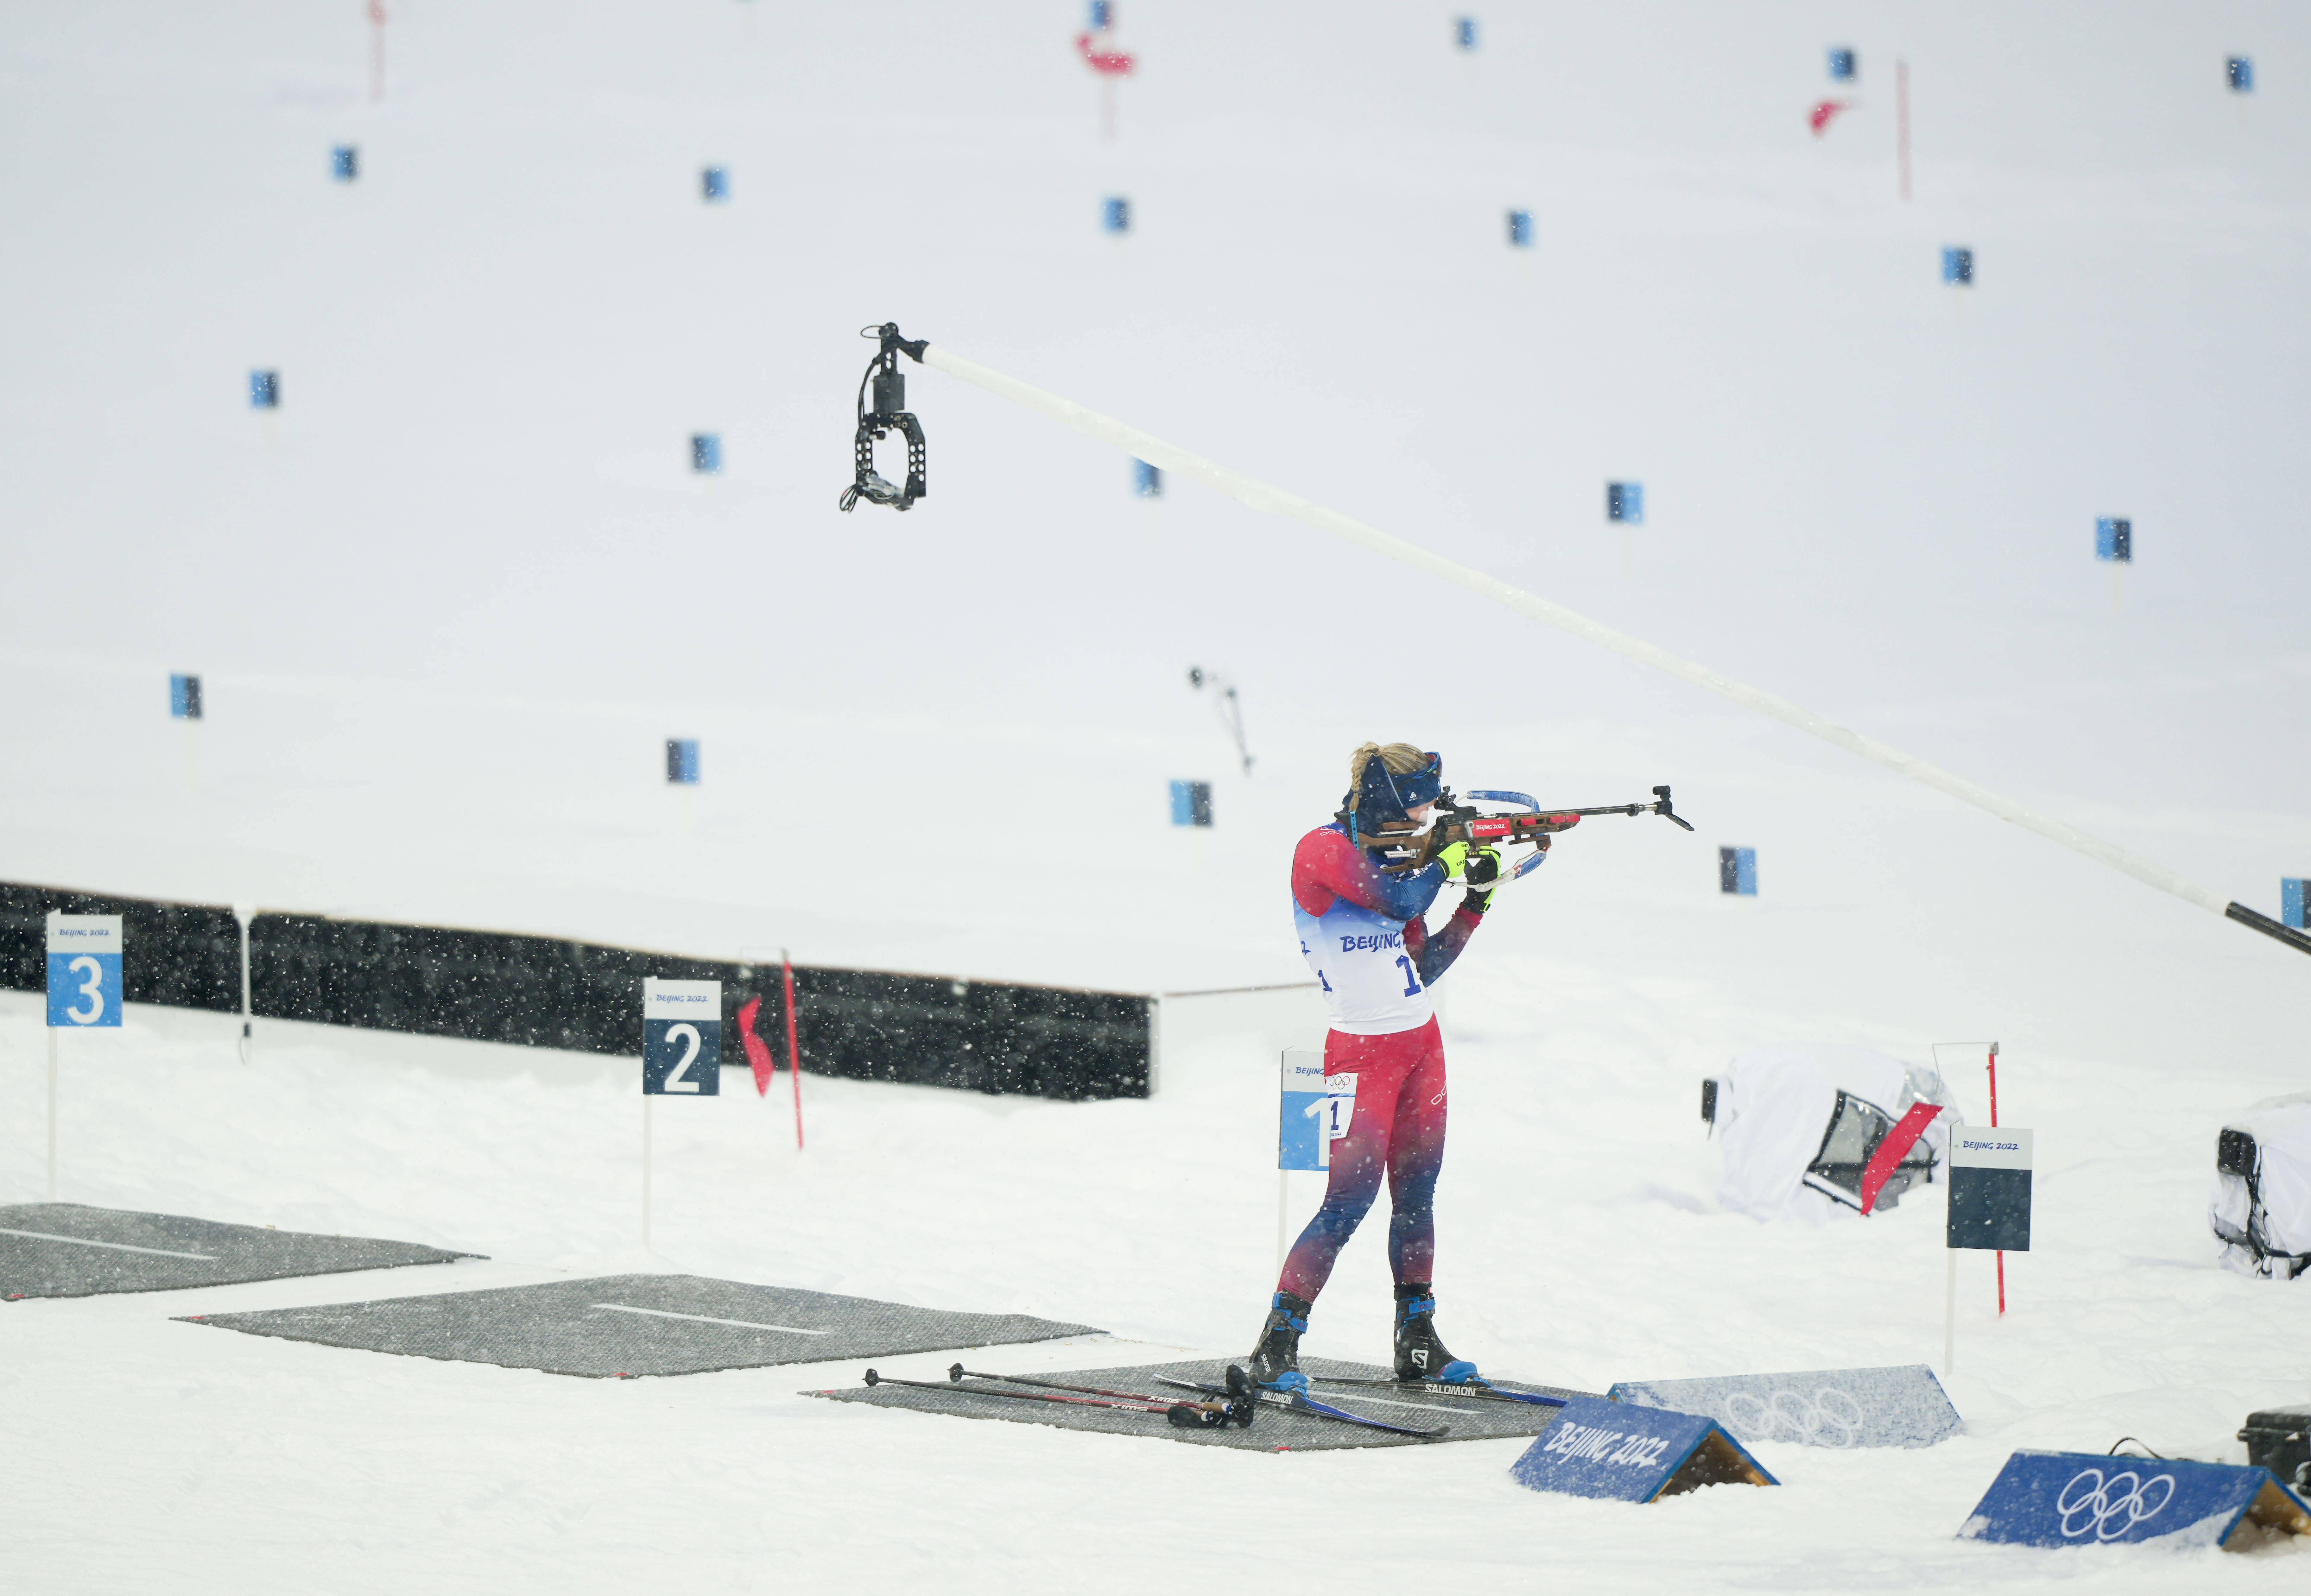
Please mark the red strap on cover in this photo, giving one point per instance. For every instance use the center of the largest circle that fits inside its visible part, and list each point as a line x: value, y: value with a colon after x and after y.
x: 1893, y: 1149
x: 757, y: 1054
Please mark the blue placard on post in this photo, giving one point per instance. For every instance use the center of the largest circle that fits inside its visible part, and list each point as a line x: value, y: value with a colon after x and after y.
x: 264, y: 390
x: 1626, y: 502
x: 1520, y: 229
x: 1842, y: 64
x: 2115, y: 538
x: 714, y: 184
x: 1191, y: 803
x: 1990, y: 1188
x: 2238, y: 73
x: 83, y: 970
x: 2086, y: 1498
x: 344, y: 163
x: 1102, y: 15
x: 1115, y: 214
x: 2292, y: 891
x: 1901, y: 1405
x: 184, y: 697
x: 1627, y: 1454
x: 1302, y: 1120
x: 682, y: 761
x: 682, y: 1038
x: 1737, y: 871
x: 706, y: 453
x: 1147, y: 481
x: 1957, y: 266
x: 1464, y: 33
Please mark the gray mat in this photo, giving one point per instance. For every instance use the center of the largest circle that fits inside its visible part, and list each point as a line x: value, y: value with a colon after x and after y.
x: 1274, y: 1430
x: 62, y: 1249
x: 629, y: 1325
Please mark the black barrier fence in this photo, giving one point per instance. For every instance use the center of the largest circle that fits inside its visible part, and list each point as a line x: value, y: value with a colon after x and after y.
x: 542, y: 991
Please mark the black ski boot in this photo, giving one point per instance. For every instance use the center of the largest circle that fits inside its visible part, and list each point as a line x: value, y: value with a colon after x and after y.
x: 1275, y: 1361
x: 1419, y: 1355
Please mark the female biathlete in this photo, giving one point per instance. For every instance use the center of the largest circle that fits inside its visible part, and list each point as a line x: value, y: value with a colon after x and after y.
x: 1362, y: 931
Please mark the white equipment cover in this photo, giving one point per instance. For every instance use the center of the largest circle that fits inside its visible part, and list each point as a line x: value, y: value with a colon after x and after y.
x: 1774, y: 1106
x: 2262, y: 1213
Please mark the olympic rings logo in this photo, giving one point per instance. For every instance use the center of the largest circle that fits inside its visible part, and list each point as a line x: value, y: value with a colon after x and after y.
x: 1830, y: 1417
x: 2090, y: 1502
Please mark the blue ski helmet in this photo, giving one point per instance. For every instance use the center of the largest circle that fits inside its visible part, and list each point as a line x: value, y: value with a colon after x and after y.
x: 1382, y: 797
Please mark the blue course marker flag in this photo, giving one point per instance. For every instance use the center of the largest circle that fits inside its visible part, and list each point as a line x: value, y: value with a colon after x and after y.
x: 2291, y: 894
x: 264, y: 390
x: 2238, y: 72
x: 1626, y: 502
x: 1101, y: 15
x: 185, y: 697
x: 1147, y: 481
x: 1842, y: 66
x: 1191, y: 803
x: 2114, y: 539
x: 682, y: 761
x: 1521, y: 229
x: 1464, y: 33
x: 1737, y: 871
x: 1115, y: 214
x: 706, y: 452
x: 1957, y: 266
x: 714, y: 183
x: 344, y: 163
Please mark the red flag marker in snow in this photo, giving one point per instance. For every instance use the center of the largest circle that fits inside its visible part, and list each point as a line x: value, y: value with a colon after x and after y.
x: 1115, y: 63
x: 1820, y: 118
x: 1890, y: 1152
x: 758, y: 1052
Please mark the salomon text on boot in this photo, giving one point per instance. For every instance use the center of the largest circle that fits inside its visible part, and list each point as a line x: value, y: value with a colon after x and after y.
x: 1419, y: 1355
x: 1275, y: 1361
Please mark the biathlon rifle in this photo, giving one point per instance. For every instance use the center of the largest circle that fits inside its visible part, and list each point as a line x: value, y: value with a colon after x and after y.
x: 1455, y: 822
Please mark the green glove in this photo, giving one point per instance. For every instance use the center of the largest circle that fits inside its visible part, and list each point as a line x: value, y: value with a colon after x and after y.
x: 1454, y: 857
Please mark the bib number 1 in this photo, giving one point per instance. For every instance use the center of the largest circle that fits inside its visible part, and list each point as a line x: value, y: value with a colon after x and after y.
x: 1411, y: 976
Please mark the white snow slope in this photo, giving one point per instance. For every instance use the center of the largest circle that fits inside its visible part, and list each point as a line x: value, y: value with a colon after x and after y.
x: 450, y: 598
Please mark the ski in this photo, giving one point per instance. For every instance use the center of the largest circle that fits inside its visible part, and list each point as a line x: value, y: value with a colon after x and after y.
x: 1483, y: 1390
x: 1298, y: 1402
x: 1238, y: 1407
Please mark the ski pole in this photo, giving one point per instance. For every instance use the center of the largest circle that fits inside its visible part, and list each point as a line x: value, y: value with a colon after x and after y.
x: 1298, y: 1403
x: 1239, y: 1408
x: 1186, y: 1415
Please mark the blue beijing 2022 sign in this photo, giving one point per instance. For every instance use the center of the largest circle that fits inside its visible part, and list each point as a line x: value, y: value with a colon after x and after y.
x: 1628, y: 1453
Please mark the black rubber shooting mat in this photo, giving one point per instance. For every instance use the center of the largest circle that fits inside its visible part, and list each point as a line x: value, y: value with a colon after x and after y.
x: 62, y: 1249
x: 1273, y: 1429
x: 642, y: 1324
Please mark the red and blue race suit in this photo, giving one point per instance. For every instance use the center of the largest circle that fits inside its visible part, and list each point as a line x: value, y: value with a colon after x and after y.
x: 1362, y: 934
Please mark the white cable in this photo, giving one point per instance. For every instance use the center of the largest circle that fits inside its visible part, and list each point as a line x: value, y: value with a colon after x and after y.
x: 1260, y: 496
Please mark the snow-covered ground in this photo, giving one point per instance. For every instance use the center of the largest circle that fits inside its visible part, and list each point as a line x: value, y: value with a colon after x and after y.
x: 450, y: 599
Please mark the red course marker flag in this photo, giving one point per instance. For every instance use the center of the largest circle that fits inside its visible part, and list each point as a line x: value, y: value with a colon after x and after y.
x: 1820, y: 118
x: 1116, y: 62
x: 1899, y: 1141
x: 758, y: 1054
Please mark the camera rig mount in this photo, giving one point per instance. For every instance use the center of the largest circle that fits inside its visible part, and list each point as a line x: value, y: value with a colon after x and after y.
x: 889, y: 414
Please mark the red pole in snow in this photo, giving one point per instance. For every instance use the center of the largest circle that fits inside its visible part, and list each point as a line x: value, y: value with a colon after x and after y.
x: 1993, y: 1125
x: 375, y: 50
x: 794, y: 1068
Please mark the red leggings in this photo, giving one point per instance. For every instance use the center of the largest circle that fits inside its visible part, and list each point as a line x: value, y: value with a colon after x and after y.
x: 1398, y: 1126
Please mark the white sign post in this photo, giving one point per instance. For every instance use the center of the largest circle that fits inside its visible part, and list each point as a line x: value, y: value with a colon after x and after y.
x: 84, y: 992
x: 682, y: 1054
